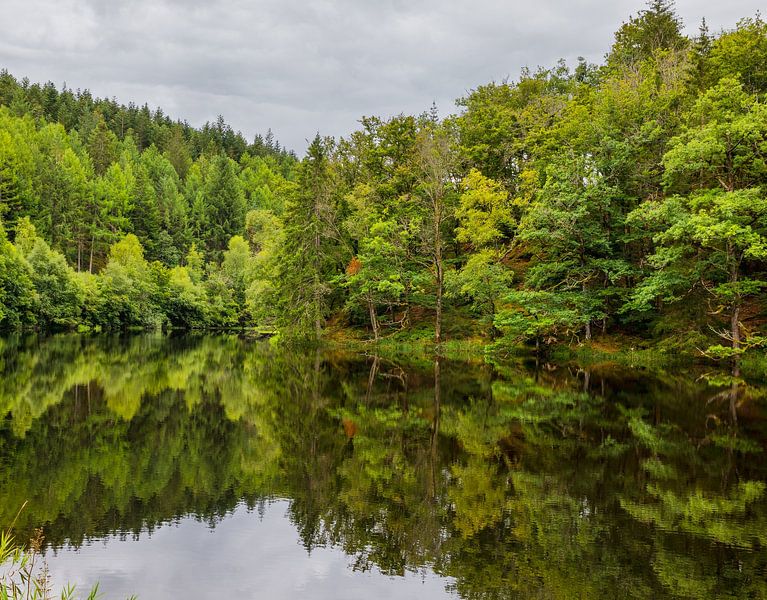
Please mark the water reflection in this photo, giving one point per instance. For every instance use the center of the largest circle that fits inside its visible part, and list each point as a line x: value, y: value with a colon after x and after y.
x: 503, y: 481
x: 247, y: 555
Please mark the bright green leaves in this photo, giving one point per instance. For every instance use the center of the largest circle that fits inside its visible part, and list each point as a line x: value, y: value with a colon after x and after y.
x: 128, y: 287
x: 380, y: 272
x: 484, y: 213
x: 264, y: 185
x: 485, y: 280
x: 59, y: 293
x: 18, y: 159
x: 742, y: 53
x: 708, y: 239
x: 485, y: 221
x: 724, y: 144
x: 18, y: 300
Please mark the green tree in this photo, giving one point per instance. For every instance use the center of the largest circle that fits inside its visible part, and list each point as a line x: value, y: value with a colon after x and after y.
x: 102, y: 146
x: 223, y: 209
x: 715, y: 235
x: 177, y: 152
x: 655, y: 28
x: 128, y: 287
x: 171, y: 206
x: 723, y: 143
x: 18, y: 300
x: 235, y: 266
x: 486, y: 223
x: 59, y: 294
x: 308, y: 257
x: 742, y: 53
x: 569, y: 231
x: 436, y: 192
x: 17, y: 168
x: 114, y: 202
x: 265, y: 237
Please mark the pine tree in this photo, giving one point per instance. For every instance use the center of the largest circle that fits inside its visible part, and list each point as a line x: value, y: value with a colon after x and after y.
x: 307, y: 261
x: 658, y: 27
x: 102, y: 146
x: 223, y: 206
x: 145, y: 214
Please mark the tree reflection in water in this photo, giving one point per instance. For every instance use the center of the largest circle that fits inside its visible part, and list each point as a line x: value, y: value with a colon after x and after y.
x: 514, y: 483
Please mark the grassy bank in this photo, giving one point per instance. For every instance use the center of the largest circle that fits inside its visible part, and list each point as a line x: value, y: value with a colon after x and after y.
x: 619, y: 350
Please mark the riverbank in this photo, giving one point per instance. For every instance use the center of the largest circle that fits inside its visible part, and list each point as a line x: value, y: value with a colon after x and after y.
x: 620, y: 350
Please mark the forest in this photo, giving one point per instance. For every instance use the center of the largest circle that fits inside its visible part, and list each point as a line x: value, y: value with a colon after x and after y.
x: 624, y: 200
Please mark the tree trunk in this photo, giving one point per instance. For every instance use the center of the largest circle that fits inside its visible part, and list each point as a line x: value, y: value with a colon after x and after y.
x: 735, y: 332
x: 736, y: 346
x: 438, y: 316
x: 373, y: 318
x: 317, y: 290
x: 371, y: 378
x: 90, y: 260
x: 440, y: 280
x: 735, y: 321
x: 406, y: 315
x: 588, y: 323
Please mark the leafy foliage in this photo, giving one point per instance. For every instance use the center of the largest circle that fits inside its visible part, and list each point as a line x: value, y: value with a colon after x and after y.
x: 626, y: 198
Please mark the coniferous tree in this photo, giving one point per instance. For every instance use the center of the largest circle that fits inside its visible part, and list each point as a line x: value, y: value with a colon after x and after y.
x: 223, y: 208
x: 102, y: 146
x: 307, y: 258
x: 657, y: 27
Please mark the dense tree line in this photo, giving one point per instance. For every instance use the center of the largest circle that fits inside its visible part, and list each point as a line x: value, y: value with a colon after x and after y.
x: 98, y: 231
x: 79, y: 111
x: 626, y: 197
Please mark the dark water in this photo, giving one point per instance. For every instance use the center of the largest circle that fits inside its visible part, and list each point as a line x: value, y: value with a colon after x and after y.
x: 212, y: 467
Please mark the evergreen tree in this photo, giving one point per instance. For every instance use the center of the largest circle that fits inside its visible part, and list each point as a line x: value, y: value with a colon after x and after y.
x: 308, y: 256
x: 655, y: 28
x: 223, y: 209
x: 102, y: 146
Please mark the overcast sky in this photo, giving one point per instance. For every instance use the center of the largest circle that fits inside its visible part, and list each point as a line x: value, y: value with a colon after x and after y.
x: 305, y: 67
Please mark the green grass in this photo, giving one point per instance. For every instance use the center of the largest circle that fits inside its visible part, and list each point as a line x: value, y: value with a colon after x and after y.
x: 463, y: 342
x: 630, y: 356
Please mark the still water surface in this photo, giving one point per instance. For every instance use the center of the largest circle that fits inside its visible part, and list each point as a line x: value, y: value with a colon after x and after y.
x: 214, y: 467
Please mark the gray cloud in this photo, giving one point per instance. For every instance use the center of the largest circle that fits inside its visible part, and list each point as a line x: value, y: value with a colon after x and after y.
x: 302, y: 67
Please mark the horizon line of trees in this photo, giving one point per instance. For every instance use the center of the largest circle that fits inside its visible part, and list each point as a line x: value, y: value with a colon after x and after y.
x: 573, y: 202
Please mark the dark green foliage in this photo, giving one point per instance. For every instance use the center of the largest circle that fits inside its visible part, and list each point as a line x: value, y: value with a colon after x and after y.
x: 627, y: 199
x: 657, y: 27
x: 223, y: 214
x: 309, y: 253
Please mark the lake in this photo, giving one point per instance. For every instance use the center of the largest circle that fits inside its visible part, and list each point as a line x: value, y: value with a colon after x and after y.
x: 213, y: 467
